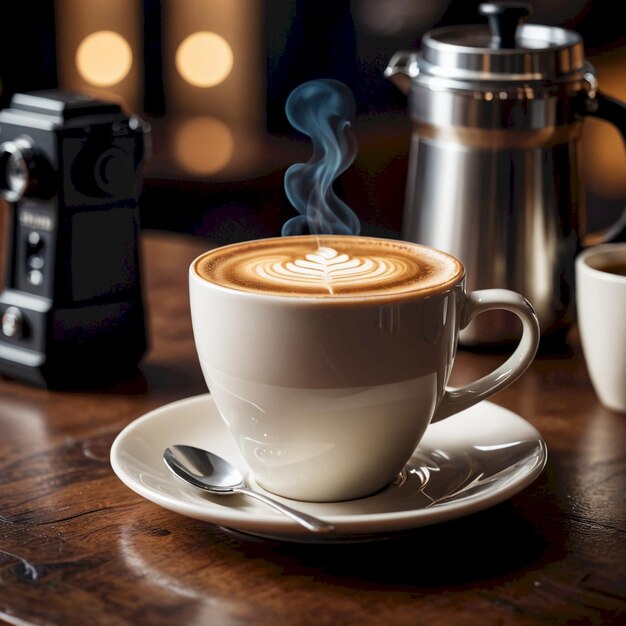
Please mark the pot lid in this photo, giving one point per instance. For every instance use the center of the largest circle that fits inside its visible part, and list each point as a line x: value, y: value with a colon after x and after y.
x: 502, y: 49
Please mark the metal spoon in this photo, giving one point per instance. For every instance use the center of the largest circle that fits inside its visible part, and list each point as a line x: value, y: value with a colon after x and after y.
x: 210, y: 472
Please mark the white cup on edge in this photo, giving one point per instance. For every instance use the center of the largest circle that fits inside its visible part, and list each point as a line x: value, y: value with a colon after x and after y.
x: 601, y: 307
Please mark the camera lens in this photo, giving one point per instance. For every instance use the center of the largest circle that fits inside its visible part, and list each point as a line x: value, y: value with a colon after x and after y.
x: 22, y: 171
x: 13, y: 171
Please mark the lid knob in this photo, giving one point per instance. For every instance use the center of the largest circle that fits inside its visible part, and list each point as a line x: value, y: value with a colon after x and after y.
x: 504, y: 18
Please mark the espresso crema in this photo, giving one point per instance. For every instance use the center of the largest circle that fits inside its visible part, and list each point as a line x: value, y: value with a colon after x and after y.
x: 329, y: 265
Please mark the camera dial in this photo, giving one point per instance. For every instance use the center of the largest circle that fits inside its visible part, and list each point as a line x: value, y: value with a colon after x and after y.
x: 22, y: 170
x: 114, y: 167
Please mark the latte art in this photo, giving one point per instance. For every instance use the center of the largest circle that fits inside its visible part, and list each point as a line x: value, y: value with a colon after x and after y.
x: 331, y: 269
x: 332, y: 266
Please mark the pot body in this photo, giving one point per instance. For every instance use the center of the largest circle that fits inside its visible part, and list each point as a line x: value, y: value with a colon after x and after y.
x: 498, y: 185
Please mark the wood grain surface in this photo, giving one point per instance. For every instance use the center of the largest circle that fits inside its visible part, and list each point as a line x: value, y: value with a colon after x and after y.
x: 79, y: 547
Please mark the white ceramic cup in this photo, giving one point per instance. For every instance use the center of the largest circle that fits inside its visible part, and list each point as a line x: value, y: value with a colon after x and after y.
x: 601, y: 310
x: 327, y: 397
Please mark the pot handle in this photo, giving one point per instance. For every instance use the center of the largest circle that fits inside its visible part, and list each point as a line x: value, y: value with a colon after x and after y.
x: 402, y: 69
x: 613, y: 111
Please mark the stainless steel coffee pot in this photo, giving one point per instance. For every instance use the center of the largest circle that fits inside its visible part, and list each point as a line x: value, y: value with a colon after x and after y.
x: 494, y: 174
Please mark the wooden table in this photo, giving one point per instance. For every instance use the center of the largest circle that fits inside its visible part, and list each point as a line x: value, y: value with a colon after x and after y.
x: 78, y: 547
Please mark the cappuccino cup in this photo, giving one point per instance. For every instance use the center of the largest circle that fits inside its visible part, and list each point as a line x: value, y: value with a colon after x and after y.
x: 329, y: 356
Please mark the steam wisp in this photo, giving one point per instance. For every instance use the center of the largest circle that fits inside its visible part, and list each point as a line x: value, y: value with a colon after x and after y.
x: 323, y: 110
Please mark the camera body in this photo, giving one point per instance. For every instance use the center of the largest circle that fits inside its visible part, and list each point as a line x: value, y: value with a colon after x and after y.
x: 71, y: 311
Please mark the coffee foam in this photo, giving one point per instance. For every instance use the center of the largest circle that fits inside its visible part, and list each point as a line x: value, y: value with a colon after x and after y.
x: 329, y: 266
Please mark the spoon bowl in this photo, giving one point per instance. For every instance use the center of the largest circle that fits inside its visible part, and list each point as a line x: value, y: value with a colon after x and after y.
x: 210, y: 472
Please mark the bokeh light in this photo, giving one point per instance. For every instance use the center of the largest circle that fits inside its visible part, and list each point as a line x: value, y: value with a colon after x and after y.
x: 104, y: 58
x: 204, y: 59
x: 203, y: 145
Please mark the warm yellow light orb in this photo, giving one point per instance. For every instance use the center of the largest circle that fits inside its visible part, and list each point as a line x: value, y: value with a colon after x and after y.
x: 203, y: 145
x: 204, y: 59
x: 104, y: 58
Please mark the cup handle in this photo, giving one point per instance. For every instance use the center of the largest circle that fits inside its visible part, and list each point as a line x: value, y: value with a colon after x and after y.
x: 458, y: 399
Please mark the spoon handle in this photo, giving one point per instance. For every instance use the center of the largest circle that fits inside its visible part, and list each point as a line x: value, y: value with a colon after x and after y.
x: 311, y: 523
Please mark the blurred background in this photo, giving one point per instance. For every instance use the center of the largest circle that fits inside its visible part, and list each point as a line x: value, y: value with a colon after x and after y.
x: 220, y: 139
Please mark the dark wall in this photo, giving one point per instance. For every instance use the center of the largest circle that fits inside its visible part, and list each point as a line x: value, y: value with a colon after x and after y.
x: 305, y: 39
x: 27, y: 47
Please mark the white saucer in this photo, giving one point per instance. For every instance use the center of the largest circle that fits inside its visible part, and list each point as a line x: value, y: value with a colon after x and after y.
x: 464, y: 464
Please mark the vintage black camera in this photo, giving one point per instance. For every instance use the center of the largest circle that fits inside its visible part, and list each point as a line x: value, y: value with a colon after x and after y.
x: 72, y: 311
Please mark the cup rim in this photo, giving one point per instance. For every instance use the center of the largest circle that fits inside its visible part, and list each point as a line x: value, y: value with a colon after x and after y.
x: 604, y: 251
x: 343, y: 300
